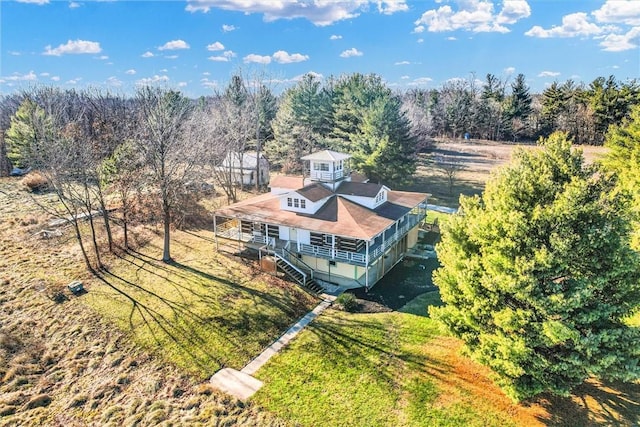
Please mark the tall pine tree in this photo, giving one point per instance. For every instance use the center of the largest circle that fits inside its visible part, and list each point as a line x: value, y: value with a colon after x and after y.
x: 538, y: 276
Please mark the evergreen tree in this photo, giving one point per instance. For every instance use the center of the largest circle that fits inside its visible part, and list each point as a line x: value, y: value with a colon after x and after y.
x: 369, y: 123
x: 300, y: 125
x: 538, y: 277
x: 519, y: 107
x: 30, y: 127
x: 623, y: 159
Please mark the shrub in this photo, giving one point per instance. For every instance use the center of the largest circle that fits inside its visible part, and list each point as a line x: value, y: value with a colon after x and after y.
x: 348, y: 302
x: 35, y: 181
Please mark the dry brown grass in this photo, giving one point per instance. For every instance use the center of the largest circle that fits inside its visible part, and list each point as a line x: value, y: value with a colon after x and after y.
x: 62, y: 364
x: 478, y: 158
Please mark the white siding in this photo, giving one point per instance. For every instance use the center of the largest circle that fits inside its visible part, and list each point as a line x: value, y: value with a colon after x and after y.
x: 283, y: 233
x: 304, y: 236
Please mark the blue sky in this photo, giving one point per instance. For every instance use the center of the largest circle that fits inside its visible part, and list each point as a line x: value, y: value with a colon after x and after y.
x: 196, y: 45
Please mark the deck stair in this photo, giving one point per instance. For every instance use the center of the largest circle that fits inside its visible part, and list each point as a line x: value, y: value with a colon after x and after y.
x: 302, y: 278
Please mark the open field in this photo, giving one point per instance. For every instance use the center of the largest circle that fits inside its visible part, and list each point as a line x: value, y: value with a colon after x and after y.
x: 477, y: 160
x: 69, y: 364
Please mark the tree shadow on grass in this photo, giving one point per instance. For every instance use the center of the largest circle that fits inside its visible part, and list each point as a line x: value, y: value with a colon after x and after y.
x: 384, y: 357
x: 594, y: 403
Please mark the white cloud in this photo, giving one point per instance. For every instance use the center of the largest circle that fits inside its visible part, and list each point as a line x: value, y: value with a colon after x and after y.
x: 473, y: 15
x: 225, y: 57
x: 621, y: 42
x: 38, y: 2
x: 17, y: 77
x: 513, y: 11
x: 390, y: 7
x: 619, y: 12
x: 226, y: 28
x: 451, y: 38
x: 114, y: 81
x: 283, y: 57
x: 259, y: 59
x: 420, y: 40
x: 573, y: 25
x: 549, y: 74
x: 44, y: 74
x: 103, y: 57
x: 215, y: 46
x: 182, y: 84
x: 131, y: 72
x: 404, y: 77
x: 164, y: 70
x: 420, y: 81
x: 74, y: 81
x: 335, y: 37
x: 402, y: 63
x: 319, y: 12
x: 171, y: 56
x: 152, y: 80
x: 148, y: 54
x: 14, y: 53
x: 209, y: 84
x: 351, y: 52
x: 206, y: 73
x: 55, y: 78
x: 74, y: 47
x: 509, y: 70
x: 74, y: 5
x: 174, y: 45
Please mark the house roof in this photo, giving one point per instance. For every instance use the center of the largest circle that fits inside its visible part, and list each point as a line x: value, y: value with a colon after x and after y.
x: 363, y: 189
x: 314, y: 192
x: 337, y: 216
x: 291, y: 182
x: 327, y: 156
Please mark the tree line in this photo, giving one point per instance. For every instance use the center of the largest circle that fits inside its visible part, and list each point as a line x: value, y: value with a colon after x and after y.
x: 93, y: 145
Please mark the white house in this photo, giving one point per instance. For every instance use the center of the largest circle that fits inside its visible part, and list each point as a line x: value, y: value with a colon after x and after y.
x: 326, y: 226
x: 244, y: 170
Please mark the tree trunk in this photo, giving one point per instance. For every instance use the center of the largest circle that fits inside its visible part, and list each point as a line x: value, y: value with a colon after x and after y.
x: 82, y: 249
x: 166, y: 254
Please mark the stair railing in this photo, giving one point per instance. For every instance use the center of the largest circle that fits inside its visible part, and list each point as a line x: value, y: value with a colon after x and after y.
x: 304, y: 275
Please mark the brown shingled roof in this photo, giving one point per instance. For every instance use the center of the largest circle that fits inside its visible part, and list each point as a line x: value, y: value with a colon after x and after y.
x: 291, y: 182
x: 314, y: 192
x: 338, y: 216
x: 364, y: 189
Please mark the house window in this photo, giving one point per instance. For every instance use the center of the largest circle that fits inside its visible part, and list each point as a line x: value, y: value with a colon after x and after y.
x: 339, y: 166
x: 289, y: 202
x: 296, y: 203
x: 321, y: 167
x: 303, y: 203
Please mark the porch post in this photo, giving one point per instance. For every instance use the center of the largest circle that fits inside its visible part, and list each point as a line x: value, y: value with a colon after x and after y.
x: 366, y: 266
x: 215, y: 231
x: 333, y: 246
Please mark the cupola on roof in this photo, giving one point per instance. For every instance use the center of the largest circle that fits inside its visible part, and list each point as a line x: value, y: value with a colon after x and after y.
x: 327, y: 156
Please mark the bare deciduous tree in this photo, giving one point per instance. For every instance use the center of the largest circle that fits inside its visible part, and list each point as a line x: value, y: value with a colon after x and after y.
x: 169, y: 155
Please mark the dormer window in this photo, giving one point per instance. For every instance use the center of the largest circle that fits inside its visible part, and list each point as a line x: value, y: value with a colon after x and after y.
x: 379, y: 197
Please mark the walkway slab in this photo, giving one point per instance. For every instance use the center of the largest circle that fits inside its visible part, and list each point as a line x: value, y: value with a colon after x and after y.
x: 236, y: 383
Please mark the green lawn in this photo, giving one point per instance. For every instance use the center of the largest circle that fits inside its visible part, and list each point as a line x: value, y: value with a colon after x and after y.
x: 203, y: 312
x: 386, y: 369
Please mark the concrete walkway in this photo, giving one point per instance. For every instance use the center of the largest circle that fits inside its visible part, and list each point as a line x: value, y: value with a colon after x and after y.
x: 242, y: 384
